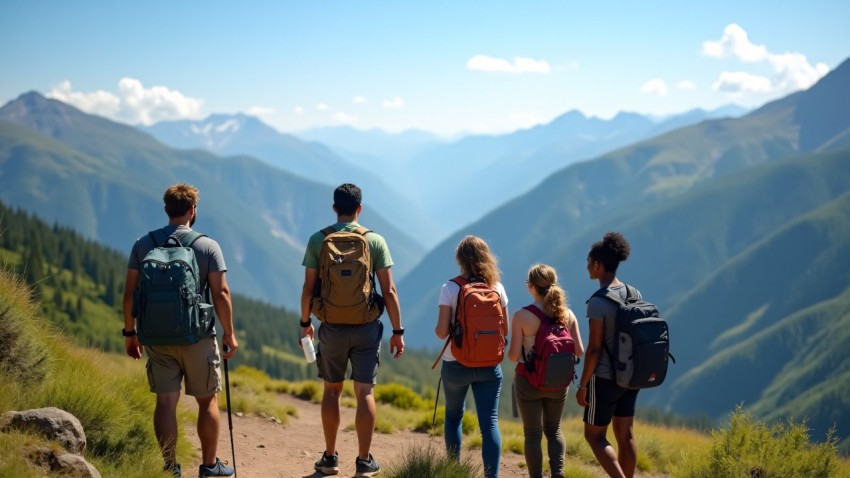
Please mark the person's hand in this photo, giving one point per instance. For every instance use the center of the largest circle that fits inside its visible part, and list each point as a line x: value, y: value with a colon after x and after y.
x: 305, y: 331
x: 230, y: 345
x: 581, y: 397
x: 396, y: 345
x: 133, y: 347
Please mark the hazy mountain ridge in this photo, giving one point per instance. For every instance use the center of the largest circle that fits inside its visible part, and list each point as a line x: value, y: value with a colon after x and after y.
x: 246, y: 135
x: 84, y: 174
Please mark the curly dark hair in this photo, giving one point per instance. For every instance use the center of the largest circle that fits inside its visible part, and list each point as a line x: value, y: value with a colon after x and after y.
x: 610, y: 251
x: 346, y: 199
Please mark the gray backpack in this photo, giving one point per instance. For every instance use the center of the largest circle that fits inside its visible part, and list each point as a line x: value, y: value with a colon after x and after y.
x: 168, y: 304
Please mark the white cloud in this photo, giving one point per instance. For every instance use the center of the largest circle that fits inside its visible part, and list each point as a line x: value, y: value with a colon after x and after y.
x: 519, y: 65
x: 739, y: 82
x: 735, y: 42
x: 524, y: 119
x: 686, y: 85
x: 342, y: 118
x: 655, y: 86
x: 359, y: 100
x: 791, y: 71
x: 395, y: 103
x: 133, y: 103
x: 260, y: 111
x: 322, y: 106
x: 299, y: 110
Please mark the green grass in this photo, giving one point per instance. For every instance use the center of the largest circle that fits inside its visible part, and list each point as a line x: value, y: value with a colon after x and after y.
x: 431, y: 461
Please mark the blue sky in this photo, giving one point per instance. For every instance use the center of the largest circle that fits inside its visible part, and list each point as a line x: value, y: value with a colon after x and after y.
x: 446, y: 67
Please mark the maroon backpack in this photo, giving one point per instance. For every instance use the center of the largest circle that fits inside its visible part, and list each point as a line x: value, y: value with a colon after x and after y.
x: 550, y: 364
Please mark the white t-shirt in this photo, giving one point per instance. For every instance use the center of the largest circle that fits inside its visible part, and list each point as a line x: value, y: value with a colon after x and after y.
x: 448, y: 296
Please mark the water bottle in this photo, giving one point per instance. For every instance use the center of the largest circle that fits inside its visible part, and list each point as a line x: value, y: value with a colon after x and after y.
x: 309, y: 350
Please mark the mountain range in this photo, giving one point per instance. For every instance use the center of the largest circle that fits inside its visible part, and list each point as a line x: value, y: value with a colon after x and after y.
x: 105, y: 180
x: 239, y: 134
x: 738, y: 225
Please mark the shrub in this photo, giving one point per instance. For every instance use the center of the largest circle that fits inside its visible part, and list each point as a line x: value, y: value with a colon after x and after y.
x: 311, y: 391
x: 419, y: 461
x: 751, y: 448
x: 399, y: 396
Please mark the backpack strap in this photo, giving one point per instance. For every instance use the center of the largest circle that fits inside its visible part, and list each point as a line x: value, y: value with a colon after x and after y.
x: 188, y: 238
x: 460, y: 281
x: 328, y: 231
x: 158, y: 237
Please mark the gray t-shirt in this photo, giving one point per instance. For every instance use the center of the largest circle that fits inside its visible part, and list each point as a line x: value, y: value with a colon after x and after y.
x: 207, y: 253
x: 600, y: 308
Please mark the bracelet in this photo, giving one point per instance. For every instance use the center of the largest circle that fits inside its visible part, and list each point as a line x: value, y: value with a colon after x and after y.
x: 131, y: 333
x: 398, y: 331
x: 305, y: 323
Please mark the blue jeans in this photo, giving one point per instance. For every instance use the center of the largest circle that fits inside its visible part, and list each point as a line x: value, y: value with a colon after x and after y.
x: 486, y: 384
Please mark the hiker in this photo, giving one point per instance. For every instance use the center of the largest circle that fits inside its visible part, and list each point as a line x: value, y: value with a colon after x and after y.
x: 477, y: 265
x: 196, y: 364
x: 603, y: 400
x: 541, y: 409
x: 345, y: 252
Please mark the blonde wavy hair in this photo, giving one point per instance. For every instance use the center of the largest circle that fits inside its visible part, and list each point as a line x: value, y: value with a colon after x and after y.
x: 544, y: 279
x: 475, y: 260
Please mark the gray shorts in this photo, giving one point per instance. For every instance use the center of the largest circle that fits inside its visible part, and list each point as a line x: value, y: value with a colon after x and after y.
x: 360, y: 344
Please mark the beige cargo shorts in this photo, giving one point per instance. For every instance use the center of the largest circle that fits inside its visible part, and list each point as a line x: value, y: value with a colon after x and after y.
x: 197, y: 364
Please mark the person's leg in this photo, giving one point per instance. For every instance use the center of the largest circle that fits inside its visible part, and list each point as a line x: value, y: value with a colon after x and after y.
x: 553, y: 407
x: 455, y: 385
x: 365, y: 418
x: 365, y: 357
x: 624, y: 417
x: 530, y: 410
x: 330, y: 414
x: 597, y: 416
x: 485, y: 390
x: 602, y: 449
x: 208, y: 427
x: 626, y: 445
x: 165, y: 424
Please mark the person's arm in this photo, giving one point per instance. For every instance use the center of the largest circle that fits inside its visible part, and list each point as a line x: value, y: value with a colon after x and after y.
x: 576, y: 335
x: 310, y: 277
x: 515, y: 346
x: 220, y: 293
x: 393, y: 308
x: 444, y: 322
x: 591, y: 359
x: 131, y: 344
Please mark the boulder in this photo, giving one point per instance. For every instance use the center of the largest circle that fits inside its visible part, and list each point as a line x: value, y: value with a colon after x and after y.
x: 51, y: 423
x: 65, y: 464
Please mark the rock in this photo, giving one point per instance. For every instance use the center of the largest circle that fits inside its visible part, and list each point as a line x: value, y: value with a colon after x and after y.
x: 65, y: 465
x: 75, y: 465
x: 51, y: 423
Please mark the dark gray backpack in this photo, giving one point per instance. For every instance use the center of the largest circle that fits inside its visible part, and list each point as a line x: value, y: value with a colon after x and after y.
x: 169, y: 305
x: 641, y: 341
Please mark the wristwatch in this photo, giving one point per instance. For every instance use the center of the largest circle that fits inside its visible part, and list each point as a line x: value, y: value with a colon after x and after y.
x: 305, y: 323
x: 398, y: 331
x: 131, y: 333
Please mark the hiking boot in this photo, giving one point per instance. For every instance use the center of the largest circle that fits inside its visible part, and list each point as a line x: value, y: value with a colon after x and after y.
x: 366, y: 468
x: 216, y: 470
x: 328, y: 464
x: 173, y: 468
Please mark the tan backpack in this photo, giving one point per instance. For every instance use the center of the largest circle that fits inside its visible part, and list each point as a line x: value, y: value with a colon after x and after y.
x: 345, y: 291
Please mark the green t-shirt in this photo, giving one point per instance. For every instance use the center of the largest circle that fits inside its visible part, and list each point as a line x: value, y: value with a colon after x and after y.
x: 378, y: 250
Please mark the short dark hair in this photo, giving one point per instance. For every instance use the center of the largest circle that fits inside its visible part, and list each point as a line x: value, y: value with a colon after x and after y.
x: 178, y: 198
x: 610, y: 251
x: 346, y: 199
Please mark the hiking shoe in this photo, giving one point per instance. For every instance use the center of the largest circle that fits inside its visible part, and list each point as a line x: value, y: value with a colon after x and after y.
x: 328, y: 464
x: 366, y: 468
x: 173, y: 468
x: 216, y: 470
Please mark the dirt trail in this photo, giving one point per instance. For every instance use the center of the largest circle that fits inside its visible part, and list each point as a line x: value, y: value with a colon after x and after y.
x: 268, y: 449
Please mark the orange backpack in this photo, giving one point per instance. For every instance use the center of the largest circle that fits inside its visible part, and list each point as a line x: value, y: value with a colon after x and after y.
x: 477, y: 334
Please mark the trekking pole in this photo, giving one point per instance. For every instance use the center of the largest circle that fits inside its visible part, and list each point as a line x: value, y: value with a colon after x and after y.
x: 229, y: 418
x: 436, y: 401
